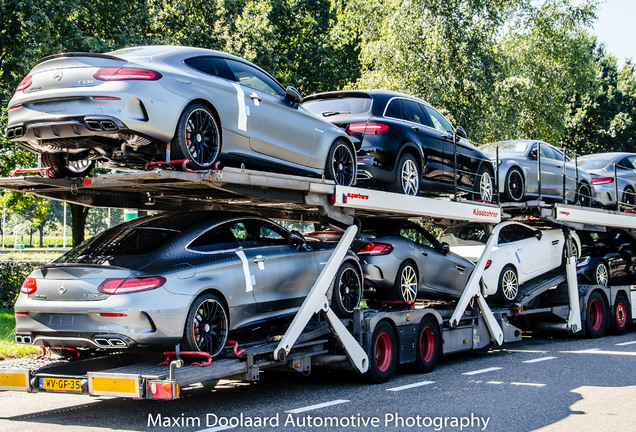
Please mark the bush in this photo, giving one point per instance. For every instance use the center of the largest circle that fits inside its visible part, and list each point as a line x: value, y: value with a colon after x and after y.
x: 12, y: 274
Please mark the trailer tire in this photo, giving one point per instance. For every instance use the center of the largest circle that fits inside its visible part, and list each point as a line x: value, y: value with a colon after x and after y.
x: 595, y: 316
x: 383, y: 353
x: 207, y: 326
x: 347, y: 290
x: 428, y: 344
x: 620, y: 316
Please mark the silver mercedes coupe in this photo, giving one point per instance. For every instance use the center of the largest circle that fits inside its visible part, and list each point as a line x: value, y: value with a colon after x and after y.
x: 189, y: 278
x: 155, y: 103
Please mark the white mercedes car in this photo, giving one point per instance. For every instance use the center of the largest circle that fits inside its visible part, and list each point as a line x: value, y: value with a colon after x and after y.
x: 520, y: 254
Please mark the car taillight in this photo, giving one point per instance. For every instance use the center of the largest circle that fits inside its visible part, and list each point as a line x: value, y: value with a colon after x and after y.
x: 29, y: 286
x: 367, y: 128
x: 124, y: 73
x: 114, y: 286
x: 488, y: 264
x: 25, y: 83
x: 376, y: 248
x: 602, y: 180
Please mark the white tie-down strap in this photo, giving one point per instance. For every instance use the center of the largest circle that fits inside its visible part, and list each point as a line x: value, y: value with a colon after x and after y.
x: 246, y: 271
x: 242, y: 111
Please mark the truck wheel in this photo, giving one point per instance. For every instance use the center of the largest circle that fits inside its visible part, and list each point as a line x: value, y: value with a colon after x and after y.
x: 620, y: 320
x: 206, y: 326
x: 383, y: 356
x: 198, y: 137
x: 347, y: 290
x: 428, y: 344
x: 62, y: 168
x: 595, y: 316
x: 508, y: 288
x: 406, y: 283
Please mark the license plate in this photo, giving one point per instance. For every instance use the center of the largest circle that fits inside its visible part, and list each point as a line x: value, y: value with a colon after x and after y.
x: 73, y: 385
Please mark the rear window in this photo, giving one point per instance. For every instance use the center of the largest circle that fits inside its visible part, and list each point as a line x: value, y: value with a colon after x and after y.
x: 337, y: 106
x: 118, y: 242
x: 593, y: 163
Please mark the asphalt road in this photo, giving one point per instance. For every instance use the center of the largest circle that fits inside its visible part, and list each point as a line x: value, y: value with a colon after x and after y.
x: 558, y: 383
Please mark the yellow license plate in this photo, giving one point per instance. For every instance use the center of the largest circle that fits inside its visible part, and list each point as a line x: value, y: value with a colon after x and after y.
x: 61, y: 384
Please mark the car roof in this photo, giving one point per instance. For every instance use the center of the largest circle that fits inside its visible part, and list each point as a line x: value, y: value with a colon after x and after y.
x: 160, y: 51
x: 181, y: 221
x: 374, y: 94
x: 607, y: 156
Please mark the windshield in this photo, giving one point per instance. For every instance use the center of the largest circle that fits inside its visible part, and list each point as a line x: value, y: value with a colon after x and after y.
x: 338, y: 105
x: 504, y: 146
x: 117, y: 242
x: 591, y: 163
x: 466, y: 235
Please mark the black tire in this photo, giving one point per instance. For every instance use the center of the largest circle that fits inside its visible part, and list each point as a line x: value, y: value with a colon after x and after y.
x: 508, y: 286
x: 484, y: 186
x: 620, y: 315
x: 584, y: 195
x: 62, y: 168
x: 207, y: 326
x: 198, y: 137
x: 347, y: 290
x: 341, y: 163
x: 428, y: 344
x: 408, y: 176
x: 514, y: 186
x: 629, y: 198
x: 383, y: 354
x: 601, y: 274
x: 406, y: 283
x: 595, y: 316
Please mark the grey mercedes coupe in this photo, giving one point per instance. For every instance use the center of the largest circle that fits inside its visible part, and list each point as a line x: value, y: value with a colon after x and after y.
x: 156, y: 103
x: 519, y: 162
x: 189, y: 278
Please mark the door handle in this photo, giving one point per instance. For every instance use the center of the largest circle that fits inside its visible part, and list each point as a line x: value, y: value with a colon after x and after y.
x: 256, y: 97
x: 460, y: 268
x: 520, y: 250
x: 424, y: 253
x: 415, y: 128
x: 259, y: 258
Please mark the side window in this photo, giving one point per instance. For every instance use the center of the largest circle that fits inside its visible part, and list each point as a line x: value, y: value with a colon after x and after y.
x: 627, y: 162
x: 558, y: 154
x: 513, y: 233
x: 212, y: 66
x: 546, y: 152
x: 414, y: 112
x: 257, y: 233
x: 439, y: 122
x: 394, y: 109
x: 417, y: 235
x: 216, y: 239
x: 254, y: 78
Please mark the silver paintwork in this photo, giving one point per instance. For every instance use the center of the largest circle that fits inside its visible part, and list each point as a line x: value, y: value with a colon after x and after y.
x: 551, y: 170
x: 255, y: 124
x: 272, y: 283
x: 605, y: 193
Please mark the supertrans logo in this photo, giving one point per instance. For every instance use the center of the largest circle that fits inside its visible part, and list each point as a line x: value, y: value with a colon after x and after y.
x: 357, y: 196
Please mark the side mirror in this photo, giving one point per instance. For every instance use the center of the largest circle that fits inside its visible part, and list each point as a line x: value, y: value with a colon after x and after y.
x: 296, y: 238
x: 538, y: 234
x: 293, y: 96
x: 533, y: 154
x: 460, y: 132
x: 445, y: 248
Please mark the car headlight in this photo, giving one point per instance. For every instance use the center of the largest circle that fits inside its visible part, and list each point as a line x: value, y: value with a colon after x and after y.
x: 583, y: 261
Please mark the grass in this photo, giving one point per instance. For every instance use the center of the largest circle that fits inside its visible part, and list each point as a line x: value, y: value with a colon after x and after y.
x: 8, y: 348
x: 31, y: 255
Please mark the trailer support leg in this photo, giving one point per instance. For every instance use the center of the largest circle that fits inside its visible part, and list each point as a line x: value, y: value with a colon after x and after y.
x: 317, y: 301
x: 574, y: 317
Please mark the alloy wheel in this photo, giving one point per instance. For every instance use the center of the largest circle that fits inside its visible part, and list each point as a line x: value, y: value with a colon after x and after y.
x: 202, y: 137
x: 343, y: 165
x: 485, y: 187
x: 408, y: 283
x: 510, y: 284
x: 410, y: 177
x: 210, y: 326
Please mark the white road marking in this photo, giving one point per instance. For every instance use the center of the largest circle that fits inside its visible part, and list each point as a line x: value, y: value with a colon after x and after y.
x: 583, y: 351
x: 527, y: 384
x: 409, y: 386
x: 480, y: 371
x: 494, y: 382
x: 540, y: 359
x: 317, y: 406
x: 626, y: 343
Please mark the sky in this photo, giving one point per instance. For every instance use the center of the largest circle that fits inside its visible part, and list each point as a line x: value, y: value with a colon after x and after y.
x: 616, y: 28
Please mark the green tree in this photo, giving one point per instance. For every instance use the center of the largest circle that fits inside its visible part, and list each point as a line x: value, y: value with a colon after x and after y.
x: 32, y: 208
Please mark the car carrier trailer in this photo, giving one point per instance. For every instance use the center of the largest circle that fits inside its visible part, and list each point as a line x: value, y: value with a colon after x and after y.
x: 373, y: 342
